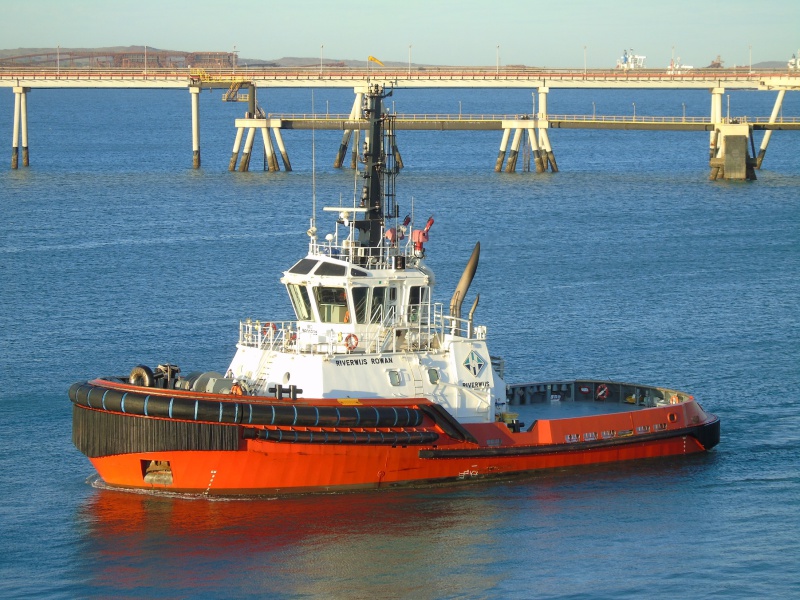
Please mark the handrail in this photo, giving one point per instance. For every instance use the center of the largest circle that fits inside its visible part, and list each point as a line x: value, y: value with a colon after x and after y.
x: 382, y: 336
x: 405, y: 117
x: 416, y: 71
x: 333, y: 76
x: 399, y: 117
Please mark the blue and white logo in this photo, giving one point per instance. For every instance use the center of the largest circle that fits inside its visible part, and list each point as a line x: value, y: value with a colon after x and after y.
x: 475, y: 363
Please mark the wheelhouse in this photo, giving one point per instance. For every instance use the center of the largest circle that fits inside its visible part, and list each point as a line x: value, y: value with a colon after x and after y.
x: 333, y: 292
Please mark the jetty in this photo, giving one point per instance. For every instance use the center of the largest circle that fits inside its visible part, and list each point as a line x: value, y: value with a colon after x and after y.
x: 732, y: 150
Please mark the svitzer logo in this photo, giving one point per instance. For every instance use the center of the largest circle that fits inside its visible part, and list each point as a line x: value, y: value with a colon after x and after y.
x: 475, y: 363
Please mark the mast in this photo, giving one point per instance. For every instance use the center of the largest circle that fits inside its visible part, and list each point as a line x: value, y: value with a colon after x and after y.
x: 377, y: 196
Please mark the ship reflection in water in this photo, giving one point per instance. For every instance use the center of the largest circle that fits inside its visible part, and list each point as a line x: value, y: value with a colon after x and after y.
x: 454, y: 539
x: 302, y: 546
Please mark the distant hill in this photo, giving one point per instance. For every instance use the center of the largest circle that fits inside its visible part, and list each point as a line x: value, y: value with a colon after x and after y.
x: 85, y: 57
x: 115, y: 57
x: 8, y: 53
x: 295, y: 61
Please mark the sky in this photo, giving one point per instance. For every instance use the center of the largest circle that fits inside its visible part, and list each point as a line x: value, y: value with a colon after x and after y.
x: 543, y: 33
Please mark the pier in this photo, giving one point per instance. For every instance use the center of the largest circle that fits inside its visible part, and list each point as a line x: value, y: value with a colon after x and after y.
x: 732, y: 151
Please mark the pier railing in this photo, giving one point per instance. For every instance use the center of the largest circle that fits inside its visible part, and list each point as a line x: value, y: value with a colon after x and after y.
x: 416, y: 76
x: 664, y: 119
x: 401, y: 116
x: 575, y: 118
x: 444, y: 73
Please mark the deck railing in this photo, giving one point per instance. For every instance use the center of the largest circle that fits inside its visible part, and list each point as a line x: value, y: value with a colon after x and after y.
x: 422, y: 329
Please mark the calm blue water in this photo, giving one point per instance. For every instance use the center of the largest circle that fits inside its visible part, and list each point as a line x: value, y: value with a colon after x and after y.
x: 628, y: 264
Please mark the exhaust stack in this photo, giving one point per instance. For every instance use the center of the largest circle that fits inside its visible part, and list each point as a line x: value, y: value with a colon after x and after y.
x: 464, y: 282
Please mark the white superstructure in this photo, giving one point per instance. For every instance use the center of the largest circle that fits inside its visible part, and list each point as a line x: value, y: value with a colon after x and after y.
x: 367, y: 326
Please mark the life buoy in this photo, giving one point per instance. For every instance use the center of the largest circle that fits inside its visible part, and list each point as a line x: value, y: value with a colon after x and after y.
x: 351, y: 341
x: 602, y: 392
x: 674, y: 399
x: 268, y: 329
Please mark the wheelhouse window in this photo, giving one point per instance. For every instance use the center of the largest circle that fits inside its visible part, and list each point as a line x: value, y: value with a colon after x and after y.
x: 301, y: 302
x: 378, y: 309
x: 360, y: 302
x: 332, y: 304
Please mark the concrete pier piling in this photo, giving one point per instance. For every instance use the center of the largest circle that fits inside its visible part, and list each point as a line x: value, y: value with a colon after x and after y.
x: 24, y: 127
x: 531, y: 135
x: 732, y: 160
x: 284, y: 155
x: 15, y: 139
x: 244, y: 165
x: 501, y: 155
x: 728, y: 154
x: 548, y: 158
x: 716, y: 120
x: 269, y: 150
x: 768, y: 133
x: 355, y: 113
x: 270, y: 155
x: 236, y: 145
x: 354, y: 153
x: 339, y: 160
x: 526, y: 151
x: 195, y: 94
x: 398, y: 160
x: 511, y: 166
x: 536, y: 151
x: 20, y: 127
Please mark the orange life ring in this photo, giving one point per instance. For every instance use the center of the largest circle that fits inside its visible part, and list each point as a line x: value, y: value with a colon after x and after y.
x: 674, y: 399
x: 351, y: 341
x: 602, y: 392
x: 268, y: 329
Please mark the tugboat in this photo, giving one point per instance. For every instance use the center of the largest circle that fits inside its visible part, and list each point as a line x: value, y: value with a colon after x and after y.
x: 373, y: 385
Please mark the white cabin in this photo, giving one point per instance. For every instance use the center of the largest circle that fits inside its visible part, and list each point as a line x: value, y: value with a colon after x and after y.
x: 367, y: 328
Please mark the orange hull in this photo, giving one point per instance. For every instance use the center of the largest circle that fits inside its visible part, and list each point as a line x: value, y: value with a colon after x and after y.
x: 259, y: 464
x: 269, y: 468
